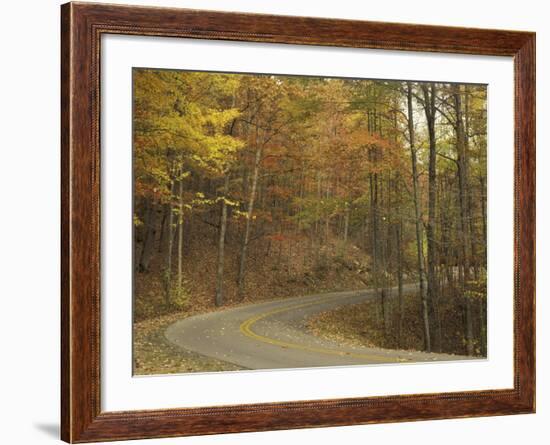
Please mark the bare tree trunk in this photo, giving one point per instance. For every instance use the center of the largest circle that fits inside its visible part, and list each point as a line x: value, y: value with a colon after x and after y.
x: 246, y: 238
x: 318, y: 206
x: 418, y: 221
x: 385, y: 199
x: 437, y: 337
x: 167, y: 269
x: 149, y: 240
x: 429, y: 109
x: 484, y: 216
x: 346, y: 222
x: 465, y: 226
x: 163, y: 231
x: 180, y: 235
x: 327, y: 220
x: 221, y: 243
x: 468, y: 192
x: 399, y: 245
x: 482, y: 327
x: 374, y: 233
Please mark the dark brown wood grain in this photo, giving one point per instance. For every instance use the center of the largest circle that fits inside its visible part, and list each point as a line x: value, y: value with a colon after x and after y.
x: 82, y: 26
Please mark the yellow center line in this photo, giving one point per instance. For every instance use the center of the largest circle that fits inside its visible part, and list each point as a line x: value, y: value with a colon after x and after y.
x: 246, y: 329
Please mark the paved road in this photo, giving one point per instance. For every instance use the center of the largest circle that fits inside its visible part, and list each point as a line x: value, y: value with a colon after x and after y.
x: 272, y: 335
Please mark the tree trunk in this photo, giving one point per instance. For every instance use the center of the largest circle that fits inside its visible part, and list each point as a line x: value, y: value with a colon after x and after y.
x: 167, y: 269
x: 483, y: 184
x: 163, y: 231
x: 346, y: 222
x: 399, y: 246
x: 482, y: 327
x: 464, y: 219
x: 250, y: 209
x: 327, y: 219
x: 385, y: 256
x: 469, y: 212
x: 418, y: 221
x: 180, y: 236
x: 374, y: 233
x: 221, y: 243
x: 149, y: 240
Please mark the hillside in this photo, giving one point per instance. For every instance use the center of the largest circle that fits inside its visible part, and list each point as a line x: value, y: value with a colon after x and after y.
x: 281, y: 268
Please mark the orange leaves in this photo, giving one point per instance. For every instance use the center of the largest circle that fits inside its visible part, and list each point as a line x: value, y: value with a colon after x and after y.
x: 280, y: 192
x: 278, y: 237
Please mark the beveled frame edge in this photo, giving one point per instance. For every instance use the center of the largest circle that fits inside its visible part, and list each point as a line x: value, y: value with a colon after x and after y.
x: 82, y: 25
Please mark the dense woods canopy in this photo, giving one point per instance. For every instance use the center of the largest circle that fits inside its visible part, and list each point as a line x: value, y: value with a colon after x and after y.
x: 385, y: 179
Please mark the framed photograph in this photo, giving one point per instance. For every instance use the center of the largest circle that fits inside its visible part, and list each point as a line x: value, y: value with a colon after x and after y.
x: 275, y: 222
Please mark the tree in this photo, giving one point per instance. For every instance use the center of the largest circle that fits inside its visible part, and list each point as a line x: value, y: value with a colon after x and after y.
x: 310, y: 184
x: 178, y: 128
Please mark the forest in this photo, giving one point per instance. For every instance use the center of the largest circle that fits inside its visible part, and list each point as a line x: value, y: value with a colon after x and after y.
x: 250, y: 187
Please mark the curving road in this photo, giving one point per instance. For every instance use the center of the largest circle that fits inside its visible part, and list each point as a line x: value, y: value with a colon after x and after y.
x: 273, y: 335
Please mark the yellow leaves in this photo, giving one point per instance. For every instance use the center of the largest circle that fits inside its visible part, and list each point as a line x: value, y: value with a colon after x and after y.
x: 229, y: 202
x: 220, y: 118
x: 239, y: 214
x: 185, y: 114
x: 477, y: 289
x: 160, y: 175
x: 182, y: 175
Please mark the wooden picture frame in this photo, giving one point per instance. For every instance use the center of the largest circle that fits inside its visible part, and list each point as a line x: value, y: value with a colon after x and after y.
x: 82, y: 26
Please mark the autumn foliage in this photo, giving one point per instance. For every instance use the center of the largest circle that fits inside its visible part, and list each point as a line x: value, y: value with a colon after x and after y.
x: 263, y: 186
